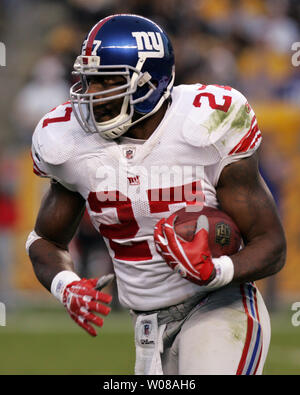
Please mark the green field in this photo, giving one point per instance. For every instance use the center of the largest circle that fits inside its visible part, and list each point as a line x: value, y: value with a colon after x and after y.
x: 46, y: 341
x: 49, y: 342
x: 284, y: 352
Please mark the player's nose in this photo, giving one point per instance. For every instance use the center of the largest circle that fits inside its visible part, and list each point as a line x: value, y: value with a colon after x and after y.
x: 94, y: 88
x: 99, y: 91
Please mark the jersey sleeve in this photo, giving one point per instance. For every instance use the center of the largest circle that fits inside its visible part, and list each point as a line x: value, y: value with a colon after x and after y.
x: 39, y: 166
x: 49, y: 151
x: 241, y: 138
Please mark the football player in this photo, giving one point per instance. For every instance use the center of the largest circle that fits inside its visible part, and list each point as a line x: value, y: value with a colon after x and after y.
x: 125, y: 147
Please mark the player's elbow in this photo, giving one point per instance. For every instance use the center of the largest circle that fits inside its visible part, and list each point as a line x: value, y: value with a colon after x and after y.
x: 279, y: 252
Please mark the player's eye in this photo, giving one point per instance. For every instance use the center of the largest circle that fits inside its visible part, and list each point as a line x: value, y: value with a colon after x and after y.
x: 94, y: 80
x: 106, y: 82
x: 114, y: 81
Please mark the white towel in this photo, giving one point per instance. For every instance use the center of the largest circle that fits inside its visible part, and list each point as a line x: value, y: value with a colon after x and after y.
x: 149, y: 345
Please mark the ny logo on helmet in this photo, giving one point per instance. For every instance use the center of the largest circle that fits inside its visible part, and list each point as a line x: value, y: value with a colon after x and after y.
x: 149, y: 44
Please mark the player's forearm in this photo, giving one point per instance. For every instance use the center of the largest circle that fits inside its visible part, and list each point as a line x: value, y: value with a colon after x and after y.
x: 48, y: 260
x: 262, y: 257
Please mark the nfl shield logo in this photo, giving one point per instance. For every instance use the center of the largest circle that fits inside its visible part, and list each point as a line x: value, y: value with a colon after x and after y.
x: 129, y: 152
x: 147, y: 328
x: 223, y: 234
x: 146, y: 337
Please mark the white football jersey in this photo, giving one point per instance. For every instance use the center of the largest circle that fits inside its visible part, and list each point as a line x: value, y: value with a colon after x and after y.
x: 129, y: 184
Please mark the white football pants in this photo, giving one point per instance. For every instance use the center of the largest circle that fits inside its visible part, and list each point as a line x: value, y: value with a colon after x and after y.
x: 226, y: 333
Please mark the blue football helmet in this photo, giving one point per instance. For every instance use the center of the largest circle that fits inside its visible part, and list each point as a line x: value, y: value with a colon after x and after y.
x: 137, y: 49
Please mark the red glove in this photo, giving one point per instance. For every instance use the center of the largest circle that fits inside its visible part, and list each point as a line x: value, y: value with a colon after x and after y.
x: 192, y: 260
x: 80, y: 298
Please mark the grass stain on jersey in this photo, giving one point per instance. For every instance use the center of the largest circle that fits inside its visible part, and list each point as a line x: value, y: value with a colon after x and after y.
x: 233, y: 119
x: 242, y: 120
x: 217, y: 118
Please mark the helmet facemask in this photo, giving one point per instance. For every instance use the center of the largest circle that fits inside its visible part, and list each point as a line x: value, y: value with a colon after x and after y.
x: 83, y: 102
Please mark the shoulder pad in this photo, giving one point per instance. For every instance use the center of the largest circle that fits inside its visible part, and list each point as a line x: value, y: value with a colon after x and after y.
x: 213, y: 113
x: 54, y: 136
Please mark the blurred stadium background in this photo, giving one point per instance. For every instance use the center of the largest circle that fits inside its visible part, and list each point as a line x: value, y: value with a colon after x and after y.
x: 245, y: 44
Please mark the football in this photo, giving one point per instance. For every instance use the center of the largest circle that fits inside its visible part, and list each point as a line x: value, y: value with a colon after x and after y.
x: 224, y: 235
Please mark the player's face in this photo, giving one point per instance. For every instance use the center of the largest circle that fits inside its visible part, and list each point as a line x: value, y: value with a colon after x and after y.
x: 106, y: 110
